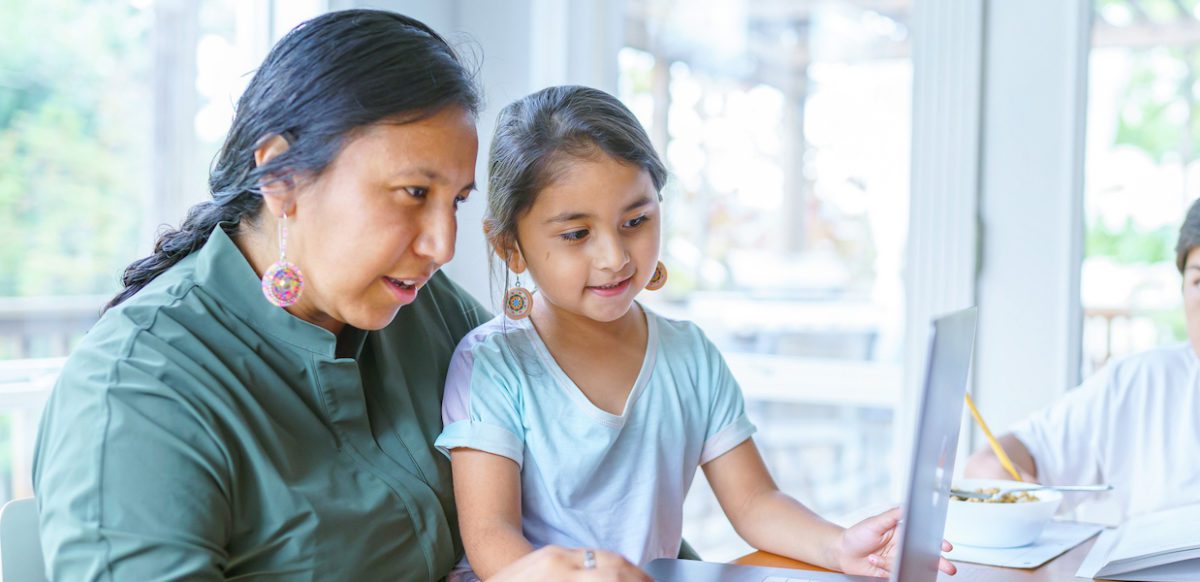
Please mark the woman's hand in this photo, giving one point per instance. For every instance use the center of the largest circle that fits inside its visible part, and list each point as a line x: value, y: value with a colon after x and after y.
x: 558, y: 563
x: 869, y: 546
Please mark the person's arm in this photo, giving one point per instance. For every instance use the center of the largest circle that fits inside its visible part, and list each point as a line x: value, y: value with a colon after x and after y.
x: 487, y: 489
x: 986, y: 465
x: 1059, y: 444
x: 129, y: 482
x: 772, y: 521
x: 763, y: 515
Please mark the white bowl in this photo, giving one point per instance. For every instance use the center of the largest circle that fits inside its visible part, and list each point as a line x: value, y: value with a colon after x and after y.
x: 999, y: 525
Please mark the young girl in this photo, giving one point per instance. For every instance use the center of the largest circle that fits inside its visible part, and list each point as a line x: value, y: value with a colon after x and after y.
x: 583, y: 424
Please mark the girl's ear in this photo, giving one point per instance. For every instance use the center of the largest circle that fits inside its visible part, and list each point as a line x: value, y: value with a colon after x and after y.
x: 510, y: 253
x: 278, y: 192
x: 505, y: 247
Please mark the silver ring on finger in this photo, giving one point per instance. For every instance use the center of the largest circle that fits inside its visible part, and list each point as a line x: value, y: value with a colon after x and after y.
x: 589, y: 560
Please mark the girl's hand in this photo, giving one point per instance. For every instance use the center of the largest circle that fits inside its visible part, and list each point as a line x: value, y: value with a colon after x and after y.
x: 558, y: 563
x: 869, y: 546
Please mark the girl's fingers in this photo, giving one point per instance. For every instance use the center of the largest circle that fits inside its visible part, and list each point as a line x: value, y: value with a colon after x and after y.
x: 883, y: 522
x: 882, y: 566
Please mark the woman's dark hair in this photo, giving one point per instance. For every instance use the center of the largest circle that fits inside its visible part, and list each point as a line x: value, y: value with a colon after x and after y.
x: 1189, y: 236
x: 328, y: 77
x: 536, y: 135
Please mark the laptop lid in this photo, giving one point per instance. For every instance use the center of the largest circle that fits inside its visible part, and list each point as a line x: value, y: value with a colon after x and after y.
x: 938, y: 420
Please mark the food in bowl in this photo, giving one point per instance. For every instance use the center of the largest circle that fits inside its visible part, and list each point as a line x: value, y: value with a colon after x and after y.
x: 1010, y: 497
x: 999, y: 524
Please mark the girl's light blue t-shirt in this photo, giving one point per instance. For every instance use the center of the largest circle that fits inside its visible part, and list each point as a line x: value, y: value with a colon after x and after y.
x: 590, y: 478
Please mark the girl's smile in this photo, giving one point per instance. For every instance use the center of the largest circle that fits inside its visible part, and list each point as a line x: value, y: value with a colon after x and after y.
x: 612, y: 290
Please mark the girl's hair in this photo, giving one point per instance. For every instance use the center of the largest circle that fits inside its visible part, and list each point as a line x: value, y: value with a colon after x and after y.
x: 328, y: 77
x: 537, y: 135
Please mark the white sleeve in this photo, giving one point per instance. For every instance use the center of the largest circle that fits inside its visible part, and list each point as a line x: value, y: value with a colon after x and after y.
x: 481, y: 408
x: 728, y: 426
x: 1066, y: 438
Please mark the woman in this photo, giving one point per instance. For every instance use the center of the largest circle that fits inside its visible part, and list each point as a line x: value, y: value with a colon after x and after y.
x: 262, y: 398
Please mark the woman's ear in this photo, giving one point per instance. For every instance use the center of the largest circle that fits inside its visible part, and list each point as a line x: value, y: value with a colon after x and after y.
x: 278, y: 192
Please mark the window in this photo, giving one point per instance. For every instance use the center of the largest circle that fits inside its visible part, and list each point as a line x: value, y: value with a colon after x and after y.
x: 105, y: 132
x: 1142, y: 173
x: 786, y: 223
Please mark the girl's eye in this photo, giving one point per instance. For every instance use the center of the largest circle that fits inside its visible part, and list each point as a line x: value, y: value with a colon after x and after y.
x: 574, y: 235
x: 636, y: 222
x: 458, y: 201
x: 416, y: 191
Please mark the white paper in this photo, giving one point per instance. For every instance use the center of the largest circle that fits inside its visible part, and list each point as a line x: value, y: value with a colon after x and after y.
x: 1058, y: 537
x: 1110, y: 543
x: 1158, y: 533
x: 1098, y: 556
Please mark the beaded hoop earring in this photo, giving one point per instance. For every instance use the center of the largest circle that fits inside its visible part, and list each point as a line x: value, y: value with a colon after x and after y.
x: 658, y: 279
x: 283, y: 283
x: 518, y: 301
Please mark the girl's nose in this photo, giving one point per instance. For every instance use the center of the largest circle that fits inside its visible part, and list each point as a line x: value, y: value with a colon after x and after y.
x: 611, y: 254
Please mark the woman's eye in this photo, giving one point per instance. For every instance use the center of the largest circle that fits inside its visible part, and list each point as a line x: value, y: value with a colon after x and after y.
x: 636, y: 222
x: 458, y: 201
x: 416, y: 191
x: 574, y: 235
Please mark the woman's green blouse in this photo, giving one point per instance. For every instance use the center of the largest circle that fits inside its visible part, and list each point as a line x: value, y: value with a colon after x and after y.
x: 200, y: 433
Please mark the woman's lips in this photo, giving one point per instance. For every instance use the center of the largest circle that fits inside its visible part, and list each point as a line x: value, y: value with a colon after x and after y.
x: 404, y: 290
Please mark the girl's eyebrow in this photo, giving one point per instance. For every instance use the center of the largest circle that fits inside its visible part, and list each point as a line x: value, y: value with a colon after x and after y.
x: 570, y: 216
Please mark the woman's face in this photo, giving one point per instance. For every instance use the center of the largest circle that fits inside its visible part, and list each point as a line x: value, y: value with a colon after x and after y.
x: 370, y: 230
x: 591, y: 239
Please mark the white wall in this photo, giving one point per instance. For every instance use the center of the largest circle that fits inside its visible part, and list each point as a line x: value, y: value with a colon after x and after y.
x: 1034, y: 105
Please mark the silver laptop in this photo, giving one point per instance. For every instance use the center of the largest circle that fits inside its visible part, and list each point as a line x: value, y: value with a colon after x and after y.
x: 951, y: 341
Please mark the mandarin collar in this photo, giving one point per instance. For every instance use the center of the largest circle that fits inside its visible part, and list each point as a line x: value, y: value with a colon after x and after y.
x: 223, y: 271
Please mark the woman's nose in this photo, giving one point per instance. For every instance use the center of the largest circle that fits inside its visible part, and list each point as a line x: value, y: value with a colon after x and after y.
x: 436, y: 239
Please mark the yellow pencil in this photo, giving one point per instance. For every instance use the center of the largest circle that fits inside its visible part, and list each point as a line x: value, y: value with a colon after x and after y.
x: 996, y: 448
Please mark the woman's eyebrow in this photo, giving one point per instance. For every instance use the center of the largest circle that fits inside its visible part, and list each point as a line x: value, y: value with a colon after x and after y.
x: 429, y: 174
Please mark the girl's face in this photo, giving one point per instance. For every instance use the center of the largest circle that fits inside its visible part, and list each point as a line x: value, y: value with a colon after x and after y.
x: 591, y: 239
x: 371, y: 229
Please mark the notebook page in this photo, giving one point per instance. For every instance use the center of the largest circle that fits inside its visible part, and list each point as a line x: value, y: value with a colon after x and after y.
x: 1162, y: 532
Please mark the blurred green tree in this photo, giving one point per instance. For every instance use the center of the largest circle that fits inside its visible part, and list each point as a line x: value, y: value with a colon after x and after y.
x: 75, y: 138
